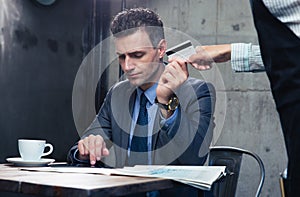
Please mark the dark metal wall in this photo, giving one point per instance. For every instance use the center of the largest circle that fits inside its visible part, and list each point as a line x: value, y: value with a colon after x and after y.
x: 41, y: 50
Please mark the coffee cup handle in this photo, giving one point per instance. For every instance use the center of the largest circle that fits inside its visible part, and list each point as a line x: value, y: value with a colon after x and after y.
x: 50, y: 150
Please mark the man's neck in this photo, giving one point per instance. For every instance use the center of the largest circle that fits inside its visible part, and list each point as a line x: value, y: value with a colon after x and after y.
x: 159, y: 72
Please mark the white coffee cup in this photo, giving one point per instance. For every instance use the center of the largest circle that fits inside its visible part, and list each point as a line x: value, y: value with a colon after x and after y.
x: 33, y: 149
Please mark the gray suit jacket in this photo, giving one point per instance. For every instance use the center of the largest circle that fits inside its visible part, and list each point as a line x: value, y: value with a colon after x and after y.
x: 185, y: 142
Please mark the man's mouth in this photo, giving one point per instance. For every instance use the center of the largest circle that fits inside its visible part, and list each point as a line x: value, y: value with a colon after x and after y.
x: 132, y: 75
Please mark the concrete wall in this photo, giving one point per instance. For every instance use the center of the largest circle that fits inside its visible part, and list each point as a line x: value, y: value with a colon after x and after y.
x: 245, y: 116
x: 41, y: 50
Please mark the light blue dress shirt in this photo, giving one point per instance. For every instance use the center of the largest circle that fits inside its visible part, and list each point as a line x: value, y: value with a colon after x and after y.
x: 152, y: 110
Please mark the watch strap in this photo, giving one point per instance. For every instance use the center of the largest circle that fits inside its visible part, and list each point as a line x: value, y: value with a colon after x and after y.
x: 172, y: 104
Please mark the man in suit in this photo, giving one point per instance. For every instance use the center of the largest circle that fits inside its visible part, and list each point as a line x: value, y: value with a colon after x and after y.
x: 177, y: 115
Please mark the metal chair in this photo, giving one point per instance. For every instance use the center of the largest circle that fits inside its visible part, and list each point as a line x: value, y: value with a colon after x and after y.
x: 231, y: 157
x: 283, y: 182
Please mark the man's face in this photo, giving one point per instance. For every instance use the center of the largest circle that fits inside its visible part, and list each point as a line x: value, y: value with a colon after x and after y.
x: 139, y: 59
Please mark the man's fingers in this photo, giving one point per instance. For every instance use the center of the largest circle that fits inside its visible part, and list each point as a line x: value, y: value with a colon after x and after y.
x: 98, y: 149
x: 92, y: 151
x: 105, y: 152
x: 94, y: 147
x: 201, y: 66
x: 81, y: 148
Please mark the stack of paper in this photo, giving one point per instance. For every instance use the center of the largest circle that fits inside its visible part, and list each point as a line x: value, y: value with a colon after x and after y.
x: 201, y: 177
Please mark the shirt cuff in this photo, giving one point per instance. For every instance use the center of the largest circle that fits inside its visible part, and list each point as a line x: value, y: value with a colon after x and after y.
x: 255, y: 60
x: 165, y: 123
x: 240, y: 57
x: 77, y: 160
x: 246, y: 58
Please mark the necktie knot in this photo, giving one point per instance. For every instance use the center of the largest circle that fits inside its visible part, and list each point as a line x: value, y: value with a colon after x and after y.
x: 143, y: 100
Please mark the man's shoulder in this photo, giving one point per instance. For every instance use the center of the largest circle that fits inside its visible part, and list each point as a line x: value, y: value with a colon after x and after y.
x: 196, y: 83
x: 122, y: 85
x: 193, y: 80
x: 122, y: 89
x: 200, y: 87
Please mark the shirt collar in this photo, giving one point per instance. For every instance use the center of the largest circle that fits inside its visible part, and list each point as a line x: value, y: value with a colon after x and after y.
x: 150, y: 93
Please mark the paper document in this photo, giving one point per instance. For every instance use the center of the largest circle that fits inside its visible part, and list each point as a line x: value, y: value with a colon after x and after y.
x: 183, y: 50
x: 201, y: 177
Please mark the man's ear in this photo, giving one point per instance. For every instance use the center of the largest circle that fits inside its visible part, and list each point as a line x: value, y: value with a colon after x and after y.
x: 162, y: 47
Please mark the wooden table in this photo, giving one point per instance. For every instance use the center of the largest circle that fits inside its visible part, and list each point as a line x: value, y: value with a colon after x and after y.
x: 12, y: 179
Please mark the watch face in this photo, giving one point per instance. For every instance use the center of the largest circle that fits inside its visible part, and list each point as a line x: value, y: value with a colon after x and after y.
x: 173, y: 103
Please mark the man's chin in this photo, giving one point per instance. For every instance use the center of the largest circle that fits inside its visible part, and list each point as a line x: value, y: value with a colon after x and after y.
x: 138, y: 83
x: 135, y: 82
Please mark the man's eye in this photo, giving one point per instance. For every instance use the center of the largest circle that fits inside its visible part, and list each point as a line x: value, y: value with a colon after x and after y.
x: 137, y: 55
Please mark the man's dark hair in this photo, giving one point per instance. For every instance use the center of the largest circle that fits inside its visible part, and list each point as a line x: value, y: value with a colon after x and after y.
x: 129, y: 21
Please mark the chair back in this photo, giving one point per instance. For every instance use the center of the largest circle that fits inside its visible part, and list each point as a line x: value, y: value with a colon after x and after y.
x: 231, y: 157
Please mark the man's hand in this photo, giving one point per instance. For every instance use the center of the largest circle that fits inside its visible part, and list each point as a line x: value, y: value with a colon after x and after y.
x: 206, y: 55
x: 174, y: 75
x: 93, y: 148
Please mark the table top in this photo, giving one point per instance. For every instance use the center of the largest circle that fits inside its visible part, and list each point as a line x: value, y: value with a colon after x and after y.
x: 13, y: 179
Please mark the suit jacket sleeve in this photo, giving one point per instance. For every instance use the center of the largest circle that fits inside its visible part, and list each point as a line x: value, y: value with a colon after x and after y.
x: 101, y: 125
x: 187, y: 141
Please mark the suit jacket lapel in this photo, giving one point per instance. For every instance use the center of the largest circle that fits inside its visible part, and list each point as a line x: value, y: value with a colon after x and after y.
x: 125, y: 122
x: 156, y: 131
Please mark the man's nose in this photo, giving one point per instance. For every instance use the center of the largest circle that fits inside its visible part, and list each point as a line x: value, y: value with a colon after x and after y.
x: 128, y: 64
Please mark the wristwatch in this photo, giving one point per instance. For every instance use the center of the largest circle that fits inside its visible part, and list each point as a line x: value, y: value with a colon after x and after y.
x: 172, y: 104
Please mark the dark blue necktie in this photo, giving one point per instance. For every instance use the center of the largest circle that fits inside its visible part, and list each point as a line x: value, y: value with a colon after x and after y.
x: 143, y: 115
x: 139, y: 149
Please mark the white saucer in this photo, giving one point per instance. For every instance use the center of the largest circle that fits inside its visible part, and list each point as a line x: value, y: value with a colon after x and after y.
x: 18, y: 161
